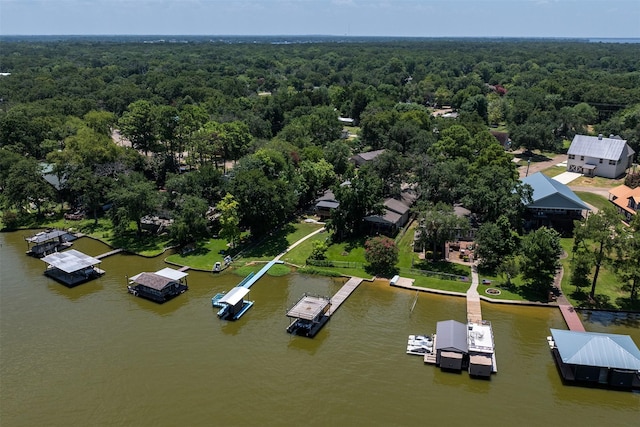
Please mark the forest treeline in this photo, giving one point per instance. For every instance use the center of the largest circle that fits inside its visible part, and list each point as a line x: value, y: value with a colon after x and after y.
x: 274, y: 108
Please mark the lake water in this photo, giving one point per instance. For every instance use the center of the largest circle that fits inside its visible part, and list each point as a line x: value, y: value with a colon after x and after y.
x: 95, y: 355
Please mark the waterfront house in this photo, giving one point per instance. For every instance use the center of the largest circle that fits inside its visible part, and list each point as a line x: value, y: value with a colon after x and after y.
x: 554, y: 204
x: 72, y: 267
x: 592, y: 358
x: 326, y: 204
x: 626, y: 200
x: 599, y: 156
x: 395, y: 215
x: 160, y: 286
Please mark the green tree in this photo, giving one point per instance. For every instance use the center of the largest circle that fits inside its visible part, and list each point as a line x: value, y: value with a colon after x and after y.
x: 23, y: 186
x: 496, y: 242
x: 627, y: 262
x: 139, y: 125
x: 133, y: 198
x: 381, y: 253
x: 190, y: 223
x: 228, y: 208
x: 358, y: 198
x: 541, y: 251
x: 319, y: 250
x: 439, y: 224
x: 597, y: 233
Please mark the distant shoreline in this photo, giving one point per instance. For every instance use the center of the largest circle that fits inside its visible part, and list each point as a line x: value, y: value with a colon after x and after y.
x: 298, y: 39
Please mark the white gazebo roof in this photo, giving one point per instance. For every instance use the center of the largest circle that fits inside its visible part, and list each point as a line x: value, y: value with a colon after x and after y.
x: 70, y: 261
x: 234, y: 296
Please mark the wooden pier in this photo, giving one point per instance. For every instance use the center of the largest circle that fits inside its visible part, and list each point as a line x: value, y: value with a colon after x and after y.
x: 571, y: 318
x: 474, y: 311
x: 344, y: 292
x: 106, y: 254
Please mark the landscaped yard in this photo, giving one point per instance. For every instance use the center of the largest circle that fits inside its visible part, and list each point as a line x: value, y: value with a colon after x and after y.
x: 609, y: 289
x: 593, y: 199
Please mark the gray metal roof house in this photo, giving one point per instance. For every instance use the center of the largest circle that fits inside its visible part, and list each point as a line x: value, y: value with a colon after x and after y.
x: 599, y: 156
x: 597, y: 358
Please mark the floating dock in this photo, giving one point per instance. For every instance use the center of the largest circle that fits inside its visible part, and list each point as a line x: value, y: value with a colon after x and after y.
x: 571, y: 318
x: 312, y: 312
x: 72, y: 267
x: 48, y: 242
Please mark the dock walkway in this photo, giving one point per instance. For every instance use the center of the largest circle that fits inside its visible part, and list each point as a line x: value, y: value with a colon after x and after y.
x: 344, y: 292
x: 474, y: 311
x: 106, y: 254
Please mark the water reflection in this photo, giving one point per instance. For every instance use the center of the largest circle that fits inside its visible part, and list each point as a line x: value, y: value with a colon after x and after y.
x: 608, y: 318
x: 77, y: 292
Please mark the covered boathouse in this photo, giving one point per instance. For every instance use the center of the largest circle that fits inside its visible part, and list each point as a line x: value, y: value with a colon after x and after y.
x: 72, y: 267
x: 598, y: 359
x: 160, y: 286
x: 308, y: 315
x: 232, y: 304
x: 47, y: 242
x: 451, y: 345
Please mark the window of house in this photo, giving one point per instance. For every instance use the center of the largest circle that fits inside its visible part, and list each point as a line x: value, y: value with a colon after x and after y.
x: 582, y: 158
x: 572, y: 156
x: 600, y: 160
x: 612, y: 162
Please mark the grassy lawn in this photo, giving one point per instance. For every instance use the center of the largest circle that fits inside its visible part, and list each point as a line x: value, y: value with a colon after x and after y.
x: 593, y: 199
x: 597, y: 181
x: 609, y: 290
x: 554, y: 171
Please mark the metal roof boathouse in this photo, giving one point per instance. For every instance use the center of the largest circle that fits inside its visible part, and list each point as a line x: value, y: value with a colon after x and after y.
x: 72, y: 267
x: 599, y: 359
x: 160, y: 286
x: 48, y: 241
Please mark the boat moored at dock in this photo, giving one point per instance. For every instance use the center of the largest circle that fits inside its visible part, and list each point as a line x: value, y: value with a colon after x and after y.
x: 49, y: 241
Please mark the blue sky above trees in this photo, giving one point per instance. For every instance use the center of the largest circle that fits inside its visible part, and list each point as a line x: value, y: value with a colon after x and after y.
x: 414, y: 18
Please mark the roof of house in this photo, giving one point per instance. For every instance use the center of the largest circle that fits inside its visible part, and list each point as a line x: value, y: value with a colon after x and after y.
x: 168, y: 273
x: 451, y: 336
x: 70, y: 261
x: 369, y: 155
x: 621, y: 196
x: 327, y: 204
x: 327, y: 195
x: 600, y: 147
x: 597, y: 349
x: 551, y: 194
x: 389, y: 217
x: 396, y: 206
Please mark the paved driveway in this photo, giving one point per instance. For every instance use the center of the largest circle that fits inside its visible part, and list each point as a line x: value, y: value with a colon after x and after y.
x: 567, y: 177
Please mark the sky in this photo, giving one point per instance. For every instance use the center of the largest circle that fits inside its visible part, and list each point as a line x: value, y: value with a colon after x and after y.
x: 403, y: 18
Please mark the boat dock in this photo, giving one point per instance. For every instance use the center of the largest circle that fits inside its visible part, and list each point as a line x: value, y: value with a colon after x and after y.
x: 571, y: 317
x: 107, y: 254
x: 344, y: 292
x: 474, y: 311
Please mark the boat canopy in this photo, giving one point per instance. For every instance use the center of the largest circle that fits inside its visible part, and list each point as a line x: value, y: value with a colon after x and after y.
x: 45, y: 236
x: 309, y: 307
x: 234, y: 296
x: 70, y: 261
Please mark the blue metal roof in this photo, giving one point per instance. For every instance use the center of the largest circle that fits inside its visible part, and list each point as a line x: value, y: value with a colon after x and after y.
x: 597, y: 349
x: 551, y: 194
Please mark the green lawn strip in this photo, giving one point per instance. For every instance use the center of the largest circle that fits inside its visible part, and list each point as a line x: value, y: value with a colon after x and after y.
x: 596, y: 181
x: 593, y: 199
x: 278, y: 241
x: 554, y: 171
x: 299, y: 254
x: 204, y: 256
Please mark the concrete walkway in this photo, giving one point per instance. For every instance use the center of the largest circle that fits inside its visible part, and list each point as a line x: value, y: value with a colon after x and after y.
x: 474, y: 311
x: 293, y: 245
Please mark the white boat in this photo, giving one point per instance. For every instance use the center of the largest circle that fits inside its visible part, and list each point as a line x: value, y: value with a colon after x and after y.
x: 420, y: 345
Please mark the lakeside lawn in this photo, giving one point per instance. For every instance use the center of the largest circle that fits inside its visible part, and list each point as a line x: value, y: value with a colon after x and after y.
x: 610, y: 292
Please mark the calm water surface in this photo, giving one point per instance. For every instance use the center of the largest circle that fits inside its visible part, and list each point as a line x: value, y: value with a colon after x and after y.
x: 95, y: 355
